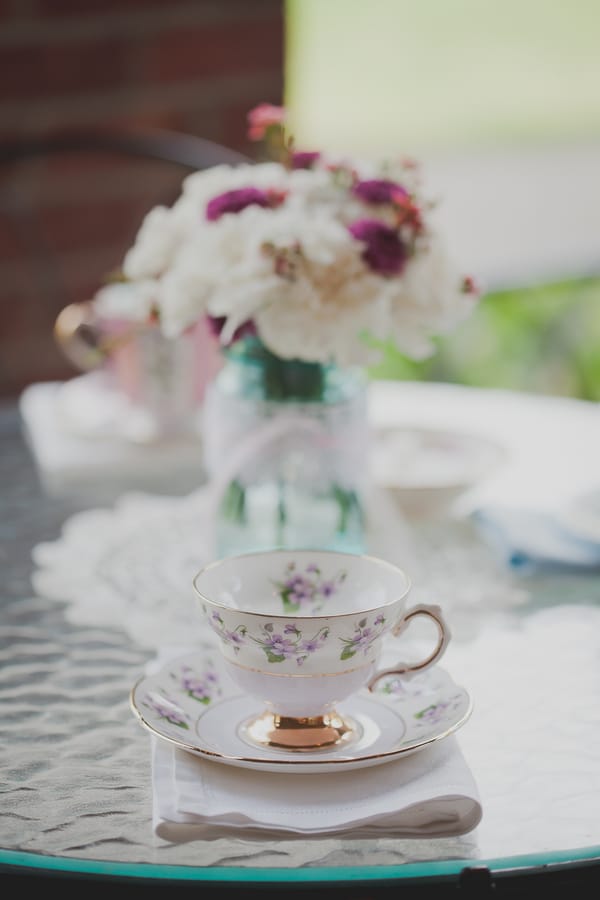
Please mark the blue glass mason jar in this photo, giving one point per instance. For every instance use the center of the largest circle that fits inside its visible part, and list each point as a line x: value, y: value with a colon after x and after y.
x: 286, y: 448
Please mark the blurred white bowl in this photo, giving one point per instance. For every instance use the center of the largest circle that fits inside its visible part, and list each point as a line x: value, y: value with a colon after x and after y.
x: 427, y: 469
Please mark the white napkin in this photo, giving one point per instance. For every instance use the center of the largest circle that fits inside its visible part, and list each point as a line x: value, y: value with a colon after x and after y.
x: 531, y: 539
x: 430, y: 793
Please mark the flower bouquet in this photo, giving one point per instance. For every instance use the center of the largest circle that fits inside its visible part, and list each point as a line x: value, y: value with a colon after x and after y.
x: 302, y: 263
x: 312, y: 255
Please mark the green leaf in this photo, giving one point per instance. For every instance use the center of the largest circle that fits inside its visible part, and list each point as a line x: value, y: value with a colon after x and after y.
x: 192, y: 696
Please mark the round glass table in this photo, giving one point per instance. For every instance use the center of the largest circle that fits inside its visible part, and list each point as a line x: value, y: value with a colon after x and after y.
x: 77, y: 788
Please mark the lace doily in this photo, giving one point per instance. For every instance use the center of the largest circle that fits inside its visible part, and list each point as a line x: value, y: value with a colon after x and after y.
x: 131, y: 566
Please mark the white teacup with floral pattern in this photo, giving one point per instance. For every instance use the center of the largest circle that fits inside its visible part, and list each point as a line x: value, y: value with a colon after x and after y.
x: 302, y: 630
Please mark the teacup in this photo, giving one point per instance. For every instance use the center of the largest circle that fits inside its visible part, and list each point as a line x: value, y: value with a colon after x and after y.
x: 162, y: 380
x: 303, y: 630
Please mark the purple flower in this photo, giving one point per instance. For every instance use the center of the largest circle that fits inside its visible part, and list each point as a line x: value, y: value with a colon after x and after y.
x: 167, y: 710
x: 304, y: 159
x: 384, y: 251
x: 328, y: 588
x: 235, y: 201
x: 293, y: 582
x: 300, y: 589
x: 310, y: 645
x: 234, y: 636
x: 379, y: 191
x: 280, y: 646
x: 195, y: 687
x: 363, y: 639
x: 432, y: 713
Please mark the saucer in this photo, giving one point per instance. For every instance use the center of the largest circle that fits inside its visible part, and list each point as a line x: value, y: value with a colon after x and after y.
x: 193, y: 704
x: 426, y: 469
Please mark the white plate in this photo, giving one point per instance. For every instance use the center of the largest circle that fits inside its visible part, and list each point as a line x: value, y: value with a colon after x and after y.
x: 424, y: 468
x: 192, y: 704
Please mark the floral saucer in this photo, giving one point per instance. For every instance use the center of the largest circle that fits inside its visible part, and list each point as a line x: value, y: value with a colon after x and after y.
x: 193, y: 704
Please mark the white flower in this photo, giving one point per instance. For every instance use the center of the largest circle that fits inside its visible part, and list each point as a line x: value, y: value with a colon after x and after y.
x: 156, y: 242
x: 131, y: 301
x: 288, y: 262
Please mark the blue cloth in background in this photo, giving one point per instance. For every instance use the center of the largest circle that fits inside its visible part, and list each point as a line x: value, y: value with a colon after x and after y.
x: 527, y: 539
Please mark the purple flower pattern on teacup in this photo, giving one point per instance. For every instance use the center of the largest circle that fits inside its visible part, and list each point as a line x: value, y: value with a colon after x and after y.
x: 235, y: 637
x: 307, y: 590
x: 289, y: 643
x: 363, y: 637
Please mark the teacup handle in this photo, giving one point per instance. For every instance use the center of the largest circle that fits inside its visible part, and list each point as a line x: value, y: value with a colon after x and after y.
x: 81, y: 338
x: 431, y: 612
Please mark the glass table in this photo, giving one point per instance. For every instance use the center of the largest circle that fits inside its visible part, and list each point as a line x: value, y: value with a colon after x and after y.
x: 76, y: 778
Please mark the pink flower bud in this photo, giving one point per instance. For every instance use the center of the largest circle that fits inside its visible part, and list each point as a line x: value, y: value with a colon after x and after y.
x: 262, y: 117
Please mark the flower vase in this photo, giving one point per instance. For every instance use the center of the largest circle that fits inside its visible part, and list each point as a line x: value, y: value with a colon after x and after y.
x: 286, y: 451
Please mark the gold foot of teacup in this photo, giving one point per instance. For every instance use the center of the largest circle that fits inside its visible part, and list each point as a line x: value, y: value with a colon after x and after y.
x: 290, y: 733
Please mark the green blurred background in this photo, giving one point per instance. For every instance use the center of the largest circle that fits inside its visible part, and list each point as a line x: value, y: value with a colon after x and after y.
x: 541, y: 339
x: 445, y: 77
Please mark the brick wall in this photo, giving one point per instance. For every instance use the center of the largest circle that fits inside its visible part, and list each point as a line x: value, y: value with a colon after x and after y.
x: 195, y: 67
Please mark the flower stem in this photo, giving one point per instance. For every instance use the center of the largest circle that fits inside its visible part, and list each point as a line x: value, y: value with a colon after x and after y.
x: 281, y: 512
x: 281, y: 379
x: 234, y: 502
x: 347, y: 502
